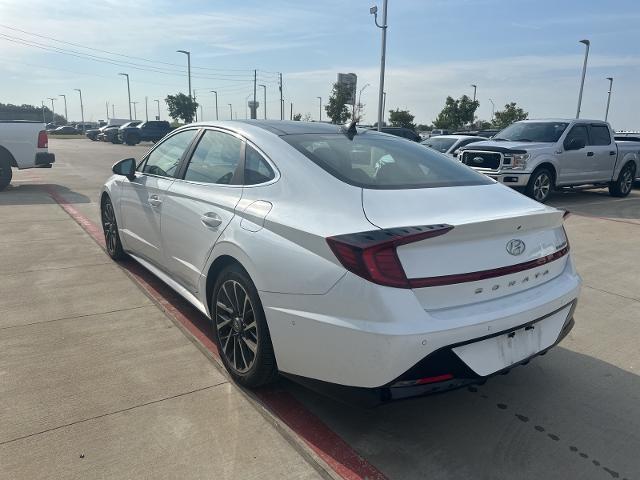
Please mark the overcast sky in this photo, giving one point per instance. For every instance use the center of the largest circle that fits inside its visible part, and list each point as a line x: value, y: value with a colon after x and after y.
x: 514, y: 50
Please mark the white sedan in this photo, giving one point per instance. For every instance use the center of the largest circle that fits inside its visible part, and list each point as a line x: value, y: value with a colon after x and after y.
x: 316, y: 259
x: 450, y: 144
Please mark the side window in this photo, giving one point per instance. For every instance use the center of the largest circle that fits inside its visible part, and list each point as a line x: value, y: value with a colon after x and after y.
x: 600, y: 135
x: 578, y: 131
x: 215, y: 159
x: 256, y: 168
x: 164, y: 160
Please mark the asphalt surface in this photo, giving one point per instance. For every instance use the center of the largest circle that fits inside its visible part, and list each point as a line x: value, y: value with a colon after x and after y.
x: 574, y: 413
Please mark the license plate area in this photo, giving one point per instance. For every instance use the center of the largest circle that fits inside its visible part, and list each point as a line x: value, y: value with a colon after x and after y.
x: 496, y: 353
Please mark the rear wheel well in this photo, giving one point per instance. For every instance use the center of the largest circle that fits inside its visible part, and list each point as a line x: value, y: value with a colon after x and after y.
x: 549, y: 167
x: 6, y: 154
x: 216, y: 267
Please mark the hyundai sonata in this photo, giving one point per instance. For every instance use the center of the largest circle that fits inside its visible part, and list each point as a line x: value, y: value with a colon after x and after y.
x: 343, y: 255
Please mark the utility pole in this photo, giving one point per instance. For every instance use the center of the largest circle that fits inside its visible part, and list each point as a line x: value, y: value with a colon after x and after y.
x: 135, y: 113
x: 216, y: 94
x: 254, y: 108
x: 146, y: 108
x: 158, y: 102
x: 53, y: 110
x: 66, y: 118
x: 587, y: 43
x: 128, y: 93
x: 81, y: 107
x: 265, y: 100
x: 374, y: 11
x: 320, y: 101
x: 230, y: 112
x: 291, y: 112
x: 281, y: 99
x: 606, y: 115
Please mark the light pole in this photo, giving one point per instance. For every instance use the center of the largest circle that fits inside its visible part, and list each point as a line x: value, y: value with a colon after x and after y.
x: 230, y: 112
x: 216, y: 93
x: 158, y: 102
x: 606, y: 115
x: 188, y: 54
x: 584, y: 72
x: 113, y: 110
x: 66, y: 118
x: 128, y: 93
x: 320, y: 101
x: 146, y: 108
x: 475, y: 88
x: 81, y: 107
x: 384, y: 101
x: 493, y: 109
x: 374, y: 11
x: 53, y: 110
x: 265, y: 100
x: 135, y: 113
x: 360, y: 98
x: 44, y: 120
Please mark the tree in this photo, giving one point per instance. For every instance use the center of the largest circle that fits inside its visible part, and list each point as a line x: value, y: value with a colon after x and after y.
x: 456, y: 113
x: 297, y: 117
x: 401, y: 118
x: 510, y: 114
x: 9, y: 111
x: 181, y: 107
x: 337, y: 109
x: 482, y: 124
x: 424, y: 128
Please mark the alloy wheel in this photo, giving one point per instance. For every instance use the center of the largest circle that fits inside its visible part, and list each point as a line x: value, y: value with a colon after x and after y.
x: 236, y: 325
x: 541, y: 186
x: 110, y: 227
x: 627, y: 181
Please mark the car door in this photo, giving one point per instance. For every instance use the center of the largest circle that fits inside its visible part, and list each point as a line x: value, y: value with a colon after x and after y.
x: 141, y: 200
x: 604, y: 151
x: 575, y: 165
x: 200, y: 204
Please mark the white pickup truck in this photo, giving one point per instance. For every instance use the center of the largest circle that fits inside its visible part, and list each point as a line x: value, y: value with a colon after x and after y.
x: 540, y: 155
x: 23, y: 144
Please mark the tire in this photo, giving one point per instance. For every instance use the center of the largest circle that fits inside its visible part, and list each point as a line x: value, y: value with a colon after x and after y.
x: 5, y: 173
x: 110, y: 229
x: 240, y: 329
x: 624, y: 184
x: 133, y: 140
x: 540, y: 185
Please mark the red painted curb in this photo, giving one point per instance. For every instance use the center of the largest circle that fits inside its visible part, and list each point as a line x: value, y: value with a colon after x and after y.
x: 325, y: 443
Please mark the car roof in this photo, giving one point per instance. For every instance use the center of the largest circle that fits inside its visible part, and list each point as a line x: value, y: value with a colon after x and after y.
x: 457, y: 137
x: 563, y: 120
x: 286, y: 127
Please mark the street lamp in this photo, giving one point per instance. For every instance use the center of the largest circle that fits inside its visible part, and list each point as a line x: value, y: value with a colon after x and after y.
x: 606, y: 115
x: 188, y: 54
x: 475, y: 87
x: 360, y: 98
x: 230, y: 112
x: 493, y: 109
x: 66, y: 118
x: 44, y: 120
x: 158, y: 102
x: 135, y: 113
x: 216, y: 93
x: 128, y: 93
x: 320, y: 101
x: 265, y: 100
x: 374, y: 11
x: 81, y: 107
x: 53, y: 110
x: 587, y: 43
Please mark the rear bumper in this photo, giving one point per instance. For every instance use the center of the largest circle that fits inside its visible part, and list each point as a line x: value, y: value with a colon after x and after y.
x: 364, y: 335
x: 44, y: 158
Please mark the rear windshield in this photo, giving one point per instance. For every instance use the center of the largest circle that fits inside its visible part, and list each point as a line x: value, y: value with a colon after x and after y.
x: 372, y: 160
x: 548, y: 132
x: 440, y: 144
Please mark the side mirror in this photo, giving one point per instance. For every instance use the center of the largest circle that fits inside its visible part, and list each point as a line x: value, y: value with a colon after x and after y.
x: 575, y: 144
x: 126, y: 167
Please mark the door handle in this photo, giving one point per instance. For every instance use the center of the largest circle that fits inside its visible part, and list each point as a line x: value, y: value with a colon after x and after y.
x: 589, y: 154
x: 211, y: 219
x: 154, y: 201
x: 612, y: 152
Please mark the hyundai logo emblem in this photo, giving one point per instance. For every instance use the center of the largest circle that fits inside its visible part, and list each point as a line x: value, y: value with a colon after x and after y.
x: 515, y: 247
x: 477, y: 160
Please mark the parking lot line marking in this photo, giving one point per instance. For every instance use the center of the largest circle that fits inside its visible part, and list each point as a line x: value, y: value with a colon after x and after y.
x: 309, y: 428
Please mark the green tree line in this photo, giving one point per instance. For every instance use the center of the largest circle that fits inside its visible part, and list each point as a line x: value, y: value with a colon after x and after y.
x: 9, y: 111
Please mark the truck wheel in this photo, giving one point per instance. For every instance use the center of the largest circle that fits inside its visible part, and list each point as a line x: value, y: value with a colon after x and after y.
x: 623, y: 185
x: 132, y: 140
x: 540, y: 185
x: 5, y: 173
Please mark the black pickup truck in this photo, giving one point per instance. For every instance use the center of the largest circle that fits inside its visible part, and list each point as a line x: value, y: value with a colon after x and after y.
x: 150, y: 131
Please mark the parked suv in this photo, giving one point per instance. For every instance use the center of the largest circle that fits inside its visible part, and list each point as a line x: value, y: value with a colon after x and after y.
x: 150, y: 131
x: 540, y: 155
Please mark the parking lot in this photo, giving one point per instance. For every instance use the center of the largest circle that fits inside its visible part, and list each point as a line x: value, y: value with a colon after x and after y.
x: 106, y: 374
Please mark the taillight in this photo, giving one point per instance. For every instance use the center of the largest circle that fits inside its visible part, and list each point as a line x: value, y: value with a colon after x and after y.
x: 372, y: 255
x: 43, y: 140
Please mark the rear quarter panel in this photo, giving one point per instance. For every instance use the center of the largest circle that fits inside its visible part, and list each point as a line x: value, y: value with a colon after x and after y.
x: 21, y: 141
